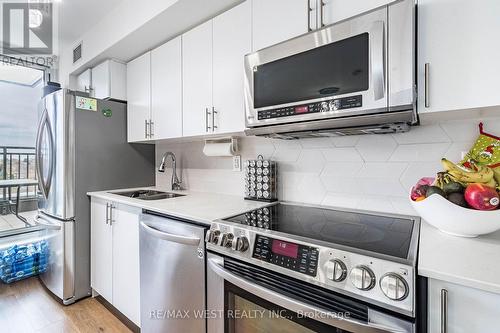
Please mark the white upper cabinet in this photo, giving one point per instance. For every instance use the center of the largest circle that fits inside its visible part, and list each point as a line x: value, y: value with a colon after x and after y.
x: 84, y: 81
x: 468, y: 309
x: 275, y: 21
x: 166, y: 90
x: 109, y: 80
x: 139, y: 98
x: 197, y: 80
x: 459, y: 41
x: 338, y: 10
x: 232, y: 40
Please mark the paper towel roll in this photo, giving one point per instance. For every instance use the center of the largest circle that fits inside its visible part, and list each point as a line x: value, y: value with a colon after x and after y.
x: 218, y: 149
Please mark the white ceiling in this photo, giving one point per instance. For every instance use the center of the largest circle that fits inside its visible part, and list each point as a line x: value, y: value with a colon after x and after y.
x: 77, y: 16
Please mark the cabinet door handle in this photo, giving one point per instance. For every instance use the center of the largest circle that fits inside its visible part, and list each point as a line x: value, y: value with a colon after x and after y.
x: 107, y: 213
x: 426, y: 83
x: 321, y: 5
x: 151, y: 127
x: 309, y: 10
x: 213, y: 119
x: 444, y: 311
x: 146, y: 135
x: 207, y: 114
x: 111, y: 220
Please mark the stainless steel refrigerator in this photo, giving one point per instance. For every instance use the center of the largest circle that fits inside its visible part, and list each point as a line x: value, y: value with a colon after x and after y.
x: 81, y: 146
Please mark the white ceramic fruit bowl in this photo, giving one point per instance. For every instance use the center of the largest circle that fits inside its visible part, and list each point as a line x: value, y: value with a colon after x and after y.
x: 455, y: 220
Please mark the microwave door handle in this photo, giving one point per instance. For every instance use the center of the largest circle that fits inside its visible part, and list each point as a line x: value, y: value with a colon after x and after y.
x: 296, y: 305
x: 377, y: 54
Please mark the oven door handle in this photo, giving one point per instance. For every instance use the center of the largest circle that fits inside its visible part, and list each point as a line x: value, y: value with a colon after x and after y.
x: 298, y: 306
x: 377, y: 54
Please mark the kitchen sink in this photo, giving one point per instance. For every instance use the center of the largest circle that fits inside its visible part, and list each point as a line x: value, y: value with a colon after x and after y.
x: 148, y: 194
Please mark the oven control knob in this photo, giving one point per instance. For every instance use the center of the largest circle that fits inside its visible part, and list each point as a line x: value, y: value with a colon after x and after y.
x: 336, y: 270
x: 240, y: 244
x: 362, y: 278
x: 394, y: 286
x: 325, y: 107
x: 334, y: 105
x: 227, y: 240
x: 213, y: 236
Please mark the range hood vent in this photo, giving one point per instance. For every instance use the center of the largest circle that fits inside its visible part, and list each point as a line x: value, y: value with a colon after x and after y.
x: 391, y: 122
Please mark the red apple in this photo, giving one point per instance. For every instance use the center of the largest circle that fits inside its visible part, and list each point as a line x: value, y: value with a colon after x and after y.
x: 482, y: 197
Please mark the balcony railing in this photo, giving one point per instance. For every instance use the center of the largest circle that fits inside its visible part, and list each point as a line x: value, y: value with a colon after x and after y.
x: 18, y: 163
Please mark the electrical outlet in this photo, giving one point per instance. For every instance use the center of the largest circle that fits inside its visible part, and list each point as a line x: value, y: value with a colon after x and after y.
x: 237, y: 163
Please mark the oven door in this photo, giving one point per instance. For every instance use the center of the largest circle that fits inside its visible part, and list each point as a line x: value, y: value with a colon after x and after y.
x: 244, y: 298
x: 346, y: 62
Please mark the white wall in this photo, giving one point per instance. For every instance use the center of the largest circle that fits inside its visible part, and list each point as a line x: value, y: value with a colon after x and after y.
x: 127, y: 17
x: 134, y: 27
x: 373, y: 172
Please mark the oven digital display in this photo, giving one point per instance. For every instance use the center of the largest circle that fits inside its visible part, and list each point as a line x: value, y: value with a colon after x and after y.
x: 301, y: 109
x: 285, y: 249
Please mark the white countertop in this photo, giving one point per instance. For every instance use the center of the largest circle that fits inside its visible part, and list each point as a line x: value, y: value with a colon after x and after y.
x: 200, y: 207
x: 472, y: 262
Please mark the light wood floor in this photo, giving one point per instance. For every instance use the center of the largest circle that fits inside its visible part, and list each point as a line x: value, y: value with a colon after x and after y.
x: 26, y: 307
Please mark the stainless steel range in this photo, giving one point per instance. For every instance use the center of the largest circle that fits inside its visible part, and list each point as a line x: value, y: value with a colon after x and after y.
x: 324, y: 269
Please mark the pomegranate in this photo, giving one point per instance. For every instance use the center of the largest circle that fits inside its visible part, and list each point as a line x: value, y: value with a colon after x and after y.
x: 481, y: 197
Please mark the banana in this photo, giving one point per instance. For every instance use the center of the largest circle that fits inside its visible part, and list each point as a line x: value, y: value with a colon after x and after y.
x: 464, y: 175
x: 491, y: 183
x: 484, y: 175
x: 496, y: 171
x: 450, y: 166
x: 450, y: 178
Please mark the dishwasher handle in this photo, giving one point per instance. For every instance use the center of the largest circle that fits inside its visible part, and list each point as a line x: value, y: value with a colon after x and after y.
x: 194, y: 241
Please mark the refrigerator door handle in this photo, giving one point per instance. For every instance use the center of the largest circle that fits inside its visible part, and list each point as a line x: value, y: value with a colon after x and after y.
x: 39, y: 220
x: 44, y: 186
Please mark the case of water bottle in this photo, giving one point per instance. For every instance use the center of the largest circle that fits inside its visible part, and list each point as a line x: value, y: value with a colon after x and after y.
x: 21, y: 261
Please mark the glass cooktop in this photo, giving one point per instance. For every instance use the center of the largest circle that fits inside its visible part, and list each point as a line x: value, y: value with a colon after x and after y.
x: 380, y: 234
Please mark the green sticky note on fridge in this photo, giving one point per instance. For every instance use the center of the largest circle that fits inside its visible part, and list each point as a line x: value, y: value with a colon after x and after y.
x: 85, y: 103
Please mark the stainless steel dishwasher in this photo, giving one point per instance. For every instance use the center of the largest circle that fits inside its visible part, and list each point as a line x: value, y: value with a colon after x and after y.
x: 172, y: 260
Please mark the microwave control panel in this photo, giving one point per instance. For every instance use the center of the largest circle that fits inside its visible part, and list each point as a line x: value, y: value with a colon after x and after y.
x: 326, y: 106
x: 297, y: 257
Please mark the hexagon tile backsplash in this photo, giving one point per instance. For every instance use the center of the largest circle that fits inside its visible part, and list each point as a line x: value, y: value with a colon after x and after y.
x: 371, y: 172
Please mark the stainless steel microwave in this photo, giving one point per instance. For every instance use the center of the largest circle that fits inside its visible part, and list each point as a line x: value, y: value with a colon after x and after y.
x: 355, y: 76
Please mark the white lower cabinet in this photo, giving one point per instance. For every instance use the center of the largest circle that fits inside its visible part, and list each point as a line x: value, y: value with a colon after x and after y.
x: 101, y: 242
x: 115, y: 256
x: 467, y: 309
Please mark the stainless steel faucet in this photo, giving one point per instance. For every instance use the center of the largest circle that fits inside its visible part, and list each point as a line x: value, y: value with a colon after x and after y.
x: 176, y: 183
